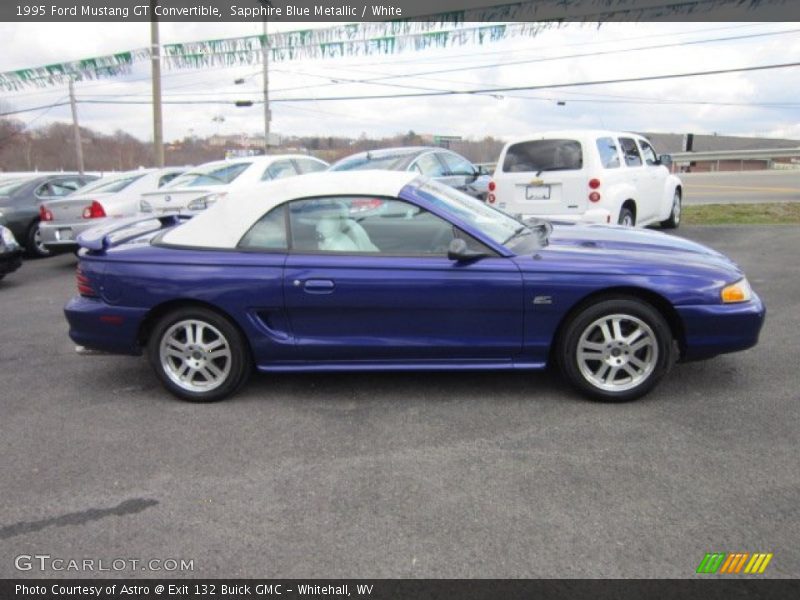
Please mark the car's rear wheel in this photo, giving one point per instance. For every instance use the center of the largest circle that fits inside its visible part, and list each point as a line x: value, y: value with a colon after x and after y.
x: 33, y: 244
x: 199, y: 355
x: 616, y: 349
x: 626, y: 217
x: 675, y: 214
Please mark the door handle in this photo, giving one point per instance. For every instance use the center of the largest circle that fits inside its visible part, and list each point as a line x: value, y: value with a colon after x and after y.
x: 318, y: 286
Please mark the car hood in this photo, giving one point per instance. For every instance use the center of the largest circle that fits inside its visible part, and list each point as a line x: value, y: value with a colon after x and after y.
x: 610, y: 249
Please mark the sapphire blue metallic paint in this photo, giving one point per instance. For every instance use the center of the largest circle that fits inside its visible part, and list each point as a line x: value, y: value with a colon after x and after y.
x: 372, y: 312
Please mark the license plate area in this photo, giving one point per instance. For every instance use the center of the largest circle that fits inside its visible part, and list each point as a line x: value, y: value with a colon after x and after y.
x: 537, y: 192
x: 63, y: 234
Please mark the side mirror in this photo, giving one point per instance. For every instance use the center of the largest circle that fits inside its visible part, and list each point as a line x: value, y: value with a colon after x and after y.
x: 459, y: 252
x: 665, y: 159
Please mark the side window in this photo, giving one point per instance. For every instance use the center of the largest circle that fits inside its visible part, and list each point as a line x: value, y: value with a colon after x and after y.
x: 279, y: 169
x: 306, y: 165
x: 165, y: 179
x: 649, y: 154
x: 44, y: 191
x: 609, y: 155
x: 631, y: 152
x: 429, y: 165
x: 456, y: 165
x: 68, y: 185
x: 361, y: 224
x: 268, y: 233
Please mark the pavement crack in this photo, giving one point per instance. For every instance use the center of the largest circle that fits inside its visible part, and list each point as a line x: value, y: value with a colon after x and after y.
x: 128, y: 507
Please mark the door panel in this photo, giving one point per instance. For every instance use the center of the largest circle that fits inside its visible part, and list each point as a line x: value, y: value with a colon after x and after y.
x: 380, y: 307
x: 652, y: 188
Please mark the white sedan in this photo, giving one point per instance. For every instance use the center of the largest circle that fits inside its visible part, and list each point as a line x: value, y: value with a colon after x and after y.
x: 204, y: 185
x: 112, y: 197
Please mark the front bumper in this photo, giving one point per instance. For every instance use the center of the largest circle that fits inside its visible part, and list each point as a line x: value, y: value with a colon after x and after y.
x: 100, y: 326
x: 62, y: 236
x: 715, y: 329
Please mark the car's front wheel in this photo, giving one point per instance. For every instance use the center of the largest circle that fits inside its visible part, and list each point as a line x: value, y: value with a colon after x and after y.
x: 199, y: 355
x: 616, y: 349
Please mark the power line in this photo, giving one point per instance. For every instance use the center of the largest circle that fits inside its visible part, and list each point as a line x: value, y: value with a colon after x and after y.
x: 553, y: 58
x: 543, y: 86
x: 33, y: 108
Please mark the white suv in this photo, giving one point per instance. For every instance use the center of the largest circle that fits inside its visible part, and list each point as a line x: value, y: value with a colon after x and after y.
x: 594, y: 176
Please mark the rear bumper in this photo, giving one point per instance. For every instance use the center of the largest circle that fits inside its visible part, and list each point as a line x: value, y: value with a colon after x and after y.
x: 595, y: 215
x: 99, y: 326
x: 62, y: 236
x: 710, y: 330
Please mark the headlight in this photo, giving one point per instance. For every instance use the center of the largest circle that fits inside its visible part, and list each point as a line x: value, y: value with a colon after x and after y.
x: 204, y: 202
x: 7, y: 237
x: 737, y: 292
x: 144, y: 206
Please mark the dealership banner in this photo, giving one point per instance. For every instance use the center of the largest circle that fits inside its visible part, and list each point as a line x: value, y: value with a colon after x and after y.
x: 372, y: 29
x: 398, y: 589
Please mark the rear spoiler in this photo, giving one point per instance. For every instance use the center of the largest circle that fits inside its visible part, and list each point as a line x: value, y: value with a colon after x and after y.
x: 103, y: 237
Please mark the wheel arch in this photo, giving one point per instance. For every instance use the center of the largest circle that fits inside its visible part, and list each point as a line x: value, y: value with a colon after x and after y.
x: 654, y: 299
x: 630, y: 204
x: 158, y: 311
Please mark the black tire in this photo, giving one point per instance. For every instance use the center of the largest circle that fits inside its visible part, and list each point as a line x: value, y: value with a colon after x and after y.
x: 626, y: 216
x: 659, y: 348
x: 240, y: 361
x: 675, y: 214
x: 33, y: 246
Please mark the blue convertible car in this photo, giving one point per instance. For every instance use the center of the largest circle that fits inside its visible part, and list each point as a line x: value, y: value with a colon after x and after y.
x: 391, y: 271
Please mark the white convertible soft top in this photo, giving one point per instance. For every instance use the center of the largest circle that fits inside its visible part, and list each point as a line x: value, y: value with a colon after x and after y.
x: 224, y: 223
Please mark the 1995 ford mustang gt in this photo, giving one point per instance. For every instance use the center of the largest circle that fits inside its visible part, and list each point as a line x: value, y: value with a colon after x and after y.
x: 388, y: 271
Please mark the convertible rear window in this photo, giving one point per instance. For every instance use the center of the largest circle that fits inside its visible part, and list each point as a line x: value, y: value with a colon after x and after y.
x: 543, y: 155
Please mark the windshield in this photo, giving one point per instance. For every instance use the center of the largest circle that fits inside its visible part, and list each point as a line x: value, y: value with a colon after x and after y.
x: 214, y: 174
x: 391, y: 162
x: 498, y: 226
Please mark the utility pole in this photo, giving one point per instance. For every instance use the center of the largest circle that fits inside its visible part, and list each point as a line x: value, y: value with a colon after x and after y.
x: 76, y: 130
x: 264, y: 59
x: 155, y: 62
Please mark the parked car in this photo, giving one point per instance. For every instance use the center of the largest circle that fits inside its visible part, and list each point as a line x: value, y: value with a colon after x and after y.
x: 61, y: 221
x: 202, y: 186
x: 283, y: 278
x: 10, y: 252
x: 20, y: 198
x: 442, y: 165
x: 595, y: 176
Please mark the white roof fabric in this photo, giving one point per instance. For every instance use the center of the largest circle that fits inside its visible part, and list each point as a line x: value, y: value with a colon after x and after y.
x: 224, y: 224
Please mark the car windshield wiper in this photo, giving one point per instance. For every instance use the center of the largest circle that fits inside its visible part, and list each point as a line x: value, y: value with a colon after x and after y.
x: 519, y: 231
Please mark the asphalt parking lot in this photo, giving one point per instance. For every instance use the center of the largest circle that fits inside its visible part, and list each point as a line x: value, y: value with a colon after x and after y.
x: 397, y: 475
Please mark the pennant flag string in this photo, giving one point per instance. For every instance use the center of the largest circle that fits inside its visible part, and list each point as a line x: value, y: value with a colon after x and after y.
x: 475, y: 26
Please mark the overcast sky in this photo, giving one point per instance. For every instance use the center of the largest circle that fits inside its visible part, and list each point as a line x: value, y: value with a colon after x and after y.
x: 650, y: 106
